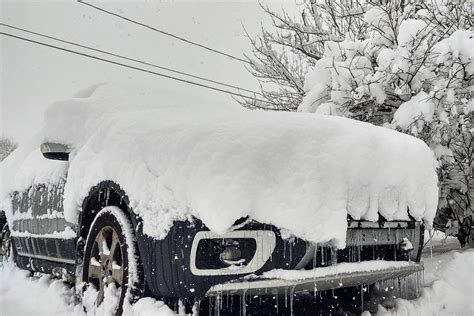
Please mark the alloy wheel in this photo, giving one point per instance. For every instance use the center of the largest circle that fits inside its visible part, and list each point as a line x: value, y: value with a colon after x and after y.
x: 106, y: 262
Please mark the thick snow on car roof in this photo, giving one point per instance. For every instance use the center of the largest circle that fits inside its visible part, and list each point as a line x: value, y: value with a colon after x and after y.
x: 301, y: 172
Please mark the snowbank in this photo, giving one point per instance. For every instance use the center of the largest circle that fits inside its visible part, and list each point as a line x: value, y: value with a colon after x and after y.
x: 44, y: 296
x: 448, y: 291
x: 21, y: 294
x: 218, y: 162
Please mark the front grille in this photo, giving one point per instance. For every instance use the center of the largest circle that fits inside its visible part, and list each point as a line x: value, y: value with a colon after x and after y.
x: 326, y: 256
x: 371, y: 241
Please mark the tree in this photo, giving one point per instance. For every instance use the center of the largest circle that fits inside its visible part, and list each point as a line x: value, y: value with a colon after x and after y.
x: 406, y: 65
x: 281, y: 58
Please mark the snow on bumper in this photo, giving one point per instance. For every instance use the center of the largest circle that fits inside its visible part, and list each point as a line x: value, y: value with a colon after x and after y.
x: 320, y: 279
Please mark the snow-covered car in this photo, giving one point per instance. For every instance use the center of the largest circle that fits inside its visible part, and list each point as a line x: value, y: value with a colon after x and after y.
x: 188, y: 202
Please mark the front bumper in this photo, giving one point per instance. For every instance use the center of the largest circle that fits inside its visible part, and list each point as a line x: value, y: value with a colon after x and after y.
x: 177, y: 266
x: 357, y: 276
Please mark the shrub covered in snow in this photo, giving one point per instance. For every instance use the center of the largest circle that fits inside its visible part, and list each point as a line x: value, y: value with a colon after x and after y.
x: 408, y: 65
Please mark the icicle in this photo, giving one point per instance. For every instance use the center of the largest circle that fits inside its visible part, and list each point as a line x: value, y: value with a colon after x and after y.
x: 243, y: 304
x: 219, y: 303
x: 291, y: 252
x: 333, y: 255
x: 401, y: 287
x: 362, y: 297
x: 421, y: 284
x: 107, y: 197
x: 210, y: 306
x: 292, y: 293
x: 416, y: 284
x: 431, y: 249
x: 196, y: 307
x: 315, y: 256
x: 323, y: 255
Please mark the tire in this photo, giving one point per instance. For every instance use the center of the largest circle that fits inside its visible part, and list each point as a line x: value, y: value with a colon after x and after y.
x: 111, y: 274
x: 5, y: 244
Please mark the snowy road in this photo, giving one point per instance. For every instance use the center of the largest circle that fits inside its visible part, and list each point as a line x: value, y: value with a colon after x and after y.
x: 448, y: 289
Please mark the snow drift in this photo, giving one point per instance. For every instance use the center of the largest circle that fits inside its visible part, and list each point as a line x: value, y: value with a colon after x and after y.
x: 301, y: 172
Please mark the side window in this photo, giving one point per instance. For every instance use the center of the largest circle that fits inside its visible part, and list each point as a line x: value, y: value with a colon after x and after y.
x: 39, y: 210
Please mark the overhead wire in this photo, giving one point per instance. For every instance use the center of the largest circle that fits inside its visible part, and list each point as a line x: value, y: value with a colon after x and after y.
x: 141, y: 69
x: 128, y: 58
x: 163, y: 32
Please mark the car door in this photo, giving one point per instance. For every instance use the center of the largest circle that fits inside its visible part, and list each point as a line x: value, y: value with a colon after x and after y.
x: 39, y: 228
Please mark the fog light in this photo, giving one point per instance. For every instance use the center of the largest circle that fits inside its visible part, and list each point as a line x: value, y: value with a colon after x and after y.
x: 231, y: 256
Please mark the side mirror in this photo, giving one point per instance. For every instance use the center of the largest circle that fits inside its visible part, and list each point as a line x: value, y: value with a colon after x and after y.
x: 55, y: 151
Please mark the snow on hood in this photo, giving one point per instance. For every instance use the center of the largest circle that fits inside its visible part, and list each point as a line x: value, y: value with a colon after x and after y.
x: 217, y: 162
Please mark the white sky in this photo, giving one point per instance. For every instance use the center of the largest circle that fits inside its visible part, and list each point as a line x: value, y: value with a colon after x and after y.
x: 33, y: 77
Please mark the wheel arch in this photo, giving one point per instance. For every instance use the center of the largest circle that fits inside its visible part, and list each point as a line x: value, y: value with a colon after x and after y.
x: 106, y: 193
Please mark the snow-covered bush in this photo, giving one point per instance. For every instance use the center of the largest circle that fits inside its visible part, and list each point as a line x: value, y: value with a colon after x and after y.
x: 409, y: 69
x: 281, y: 59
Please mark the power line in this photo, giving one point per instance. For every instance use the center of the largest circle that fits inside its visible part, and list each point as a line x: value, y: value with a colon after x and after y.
x: 138, y: 69
x: 163, y: 32
x: 127, y: 58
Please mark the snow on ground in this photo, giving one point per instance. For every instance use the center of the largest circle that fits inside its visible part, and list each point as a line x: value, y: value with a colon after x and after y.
x: 448, y: 283
x: 221, y: 162
x: 448, y: 290
x: 41, y: 295
x: 21, y: 294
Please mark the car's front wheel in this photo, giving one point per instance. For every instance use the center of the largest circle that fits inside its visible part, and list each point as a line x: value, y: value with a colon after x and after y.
x: 110, y: 268
x: 5, y: 243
